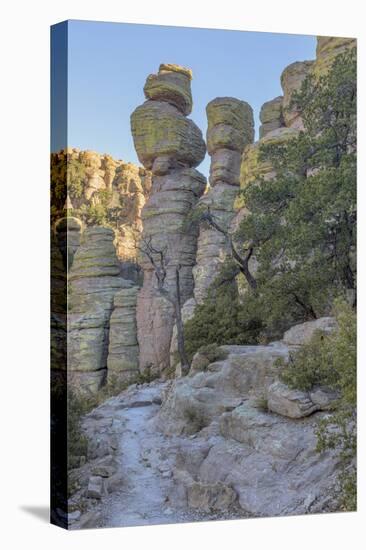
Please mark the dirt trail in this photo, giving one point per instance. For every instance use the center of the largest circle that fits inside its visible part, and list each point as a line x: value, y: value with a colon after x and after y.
x: 146, y: 462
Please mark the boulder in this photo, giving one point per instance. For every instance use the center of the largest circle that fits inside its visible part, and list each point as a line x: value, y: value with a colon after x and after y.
x: 160, y: 129
x: 95, y: 487
x: 173, y: 85
x: 194, y: 401
x: 230, y: 124
x: 288, y: 402
x: 210, y: 497
x: 302, y: 333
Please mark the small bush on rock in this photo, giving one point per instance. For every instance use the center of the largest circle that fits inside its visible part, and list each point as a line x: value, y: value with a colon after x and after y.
x: 330, y: 360
x: 77, y: 442
x: 221, y: 318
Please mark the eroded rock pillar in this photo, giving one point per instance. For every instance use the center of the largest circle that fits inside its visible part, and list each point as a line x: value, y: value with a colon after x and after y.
x: 171, y: 145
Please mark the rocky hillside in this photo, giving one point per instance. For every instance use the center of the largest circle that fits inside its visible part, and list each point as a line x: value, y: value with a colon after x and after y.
x: 98, y: 189
x: 224, y: 442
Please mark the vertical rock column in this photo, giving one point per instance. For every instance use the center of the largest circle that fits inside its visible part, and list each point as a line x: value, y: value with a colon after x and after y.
x: 170, y: 145
x: 94, y: 279
x: 230, y: 129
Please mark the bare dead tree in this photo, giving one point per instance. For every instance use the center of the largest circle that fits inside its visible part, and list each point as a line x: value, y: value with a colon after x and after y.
x: 159, y: 261
x: 241, y: 261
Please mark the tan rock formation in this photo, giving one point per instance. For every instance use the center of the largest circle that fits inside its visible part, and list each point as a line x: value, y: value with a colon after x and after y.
x: 252, y: 167
x: 161, y: 131
x: 123, y: 350
x: 328, y: 47
x: 171, y: 84
x: 171, y: 145
x: 271, y: 116
x: 94, y: 278
x: 119, y: 189
x: 230, y: 129
x: 291, y: 80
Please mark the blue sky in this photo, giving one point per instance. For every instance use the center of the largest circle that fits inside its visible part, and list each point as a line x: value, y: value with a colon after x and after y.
x: 109, y: 63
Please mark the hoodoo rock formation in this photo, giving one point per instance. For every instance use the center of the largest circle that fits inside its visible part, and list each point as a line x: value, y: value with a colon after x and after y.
x: 123, y: 350
x: 94, y: 279
x: 171, y: 146
x: 230, y: 129
x: 107, y: 211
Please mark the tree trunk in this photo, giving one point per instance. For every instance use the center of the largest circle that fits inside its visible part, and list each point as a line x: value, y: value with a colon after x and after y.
x: 180, y: 330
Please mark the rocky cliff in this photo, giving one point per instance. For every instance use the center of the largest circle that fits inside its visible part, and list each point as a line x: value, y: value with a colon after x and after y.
x: 98, y: 189
x: 153, y: 209
x: 96, y: 225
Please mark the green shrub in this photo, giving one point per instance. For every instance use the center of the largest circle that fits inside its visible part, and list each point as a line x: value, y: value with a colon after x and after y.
x: 77, y: 442
x: 330, y: 360
x: 222, y: 318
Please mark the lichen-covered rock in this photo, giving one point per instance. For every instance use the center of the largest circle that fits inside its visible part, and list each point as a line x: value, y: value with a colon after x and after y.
x: 94, y: 278
x: 288, y: 402
x: 291, y: 80
x: 271, y: 116
x: 225, y: 167
x: 171, y: 84
x: 123, y: 351
x: 171, y: 146
x: 252, y: 166
x: 160, y: 129
x: 230, y: 128
x: 328, y: 47
x: 165, y: 219
x: 230, y: 124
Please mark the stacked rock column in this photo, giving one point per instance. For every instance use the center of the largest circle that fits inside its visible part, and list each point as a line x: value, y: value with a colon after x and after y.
x: 230, y: 129
x: 170, y: 145
x: 94, y: 279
